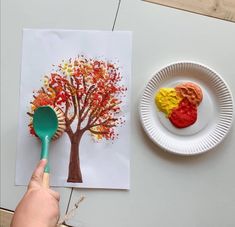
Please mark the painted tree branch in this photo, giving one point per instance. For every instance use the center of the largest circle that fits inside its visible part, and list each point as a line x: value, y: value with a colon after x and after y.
x: 30, y: 114
x: 98, y: 132
x: 91, y: 89
x: 104, y: 123
x: 101, y: 113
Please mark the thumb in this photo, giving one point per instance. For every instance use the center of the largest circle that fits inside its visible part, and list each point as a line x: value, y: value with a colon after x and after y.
x: 38, y: 172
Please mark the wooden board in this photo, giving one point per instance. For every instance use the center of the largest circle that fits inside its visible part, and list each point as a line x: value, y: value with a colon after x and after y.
x: 5, y: 218
x: 222, y: 9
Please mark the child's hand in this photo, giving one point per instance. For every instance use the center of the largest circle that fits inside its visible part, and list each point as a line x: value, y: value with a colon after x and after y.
x: 40, y: 206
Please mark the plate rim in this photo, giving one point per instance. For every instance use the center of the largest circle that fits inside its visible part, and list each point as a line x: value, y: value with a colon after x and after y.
x: 154, y: 75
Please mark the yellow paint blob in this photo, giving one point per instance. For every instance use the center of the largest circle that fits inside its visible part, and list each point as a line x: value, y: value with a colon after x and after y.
x: 167, y: 99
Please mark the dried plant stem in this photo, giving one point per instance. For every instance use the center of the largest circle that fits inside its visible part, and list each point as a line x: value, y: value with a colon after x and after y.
x: 71, y: 213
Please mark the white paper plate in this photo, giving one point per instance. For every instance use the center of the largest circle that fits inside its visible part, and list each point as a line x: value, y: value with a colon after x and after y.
x: 215, y: 113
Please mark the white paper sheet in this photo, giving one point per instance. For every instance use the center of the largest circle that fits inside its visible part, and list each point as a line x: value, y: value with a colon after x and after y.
x: 104, y: 164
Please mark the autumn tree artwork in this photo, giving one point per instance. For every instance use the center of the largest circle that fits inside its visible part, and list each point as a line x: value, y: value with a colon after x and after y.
x: 89, y: 92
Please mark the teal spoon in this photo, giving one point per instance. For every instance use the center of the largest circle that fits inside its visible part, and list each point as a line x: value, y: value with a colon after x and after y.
x: 45, y: 124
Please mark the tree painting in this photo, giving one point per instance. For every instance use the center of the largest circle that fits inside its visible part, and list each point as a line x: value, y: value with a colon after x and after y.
x: 89, y: 93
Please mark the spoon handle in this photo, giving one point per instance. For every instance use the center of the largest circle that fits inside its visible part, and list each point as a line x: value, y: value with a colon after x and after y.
x: 44, y: 152
x: 46, y: 180
x: 45, y: 155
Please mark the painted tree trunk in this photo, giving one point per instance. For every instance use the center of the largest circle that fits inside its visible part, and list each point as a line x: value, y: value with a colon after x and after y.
x: 75, y: 174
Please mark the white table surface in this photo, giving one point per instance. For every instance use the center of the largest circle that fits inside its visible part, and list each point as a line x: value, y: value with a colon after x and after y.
x: 166, y: 190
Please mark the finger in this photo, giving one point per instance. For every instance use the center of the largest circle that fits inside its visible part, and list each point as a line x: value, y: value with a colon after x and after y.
x: 38, y: 172
x: 55, y: 194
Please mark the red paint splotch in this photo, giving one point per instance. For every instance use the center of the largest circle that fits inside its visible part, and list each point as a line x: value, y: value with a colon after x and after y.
x: 184, y: 115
